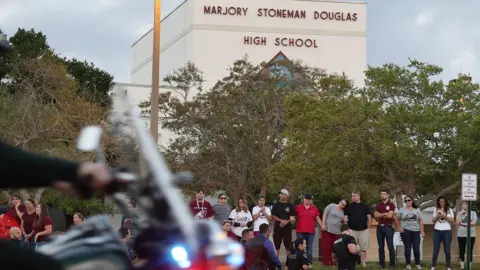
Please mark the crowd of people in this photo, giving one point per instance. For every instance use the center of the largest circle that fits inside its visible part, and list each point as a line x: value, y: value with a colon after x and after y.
x: 29, y: 223
x: 345, y: 229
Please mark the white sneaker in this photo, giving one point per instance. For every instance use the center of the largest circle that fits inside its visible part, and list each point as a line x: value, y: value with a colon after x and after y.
x: 419, y: 267
x: 408, y: 267
x: 433, y: 268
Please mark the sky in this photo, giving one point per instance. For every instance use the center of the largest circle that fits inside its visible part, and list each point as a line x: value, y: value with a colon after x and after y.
x: 440, y: 32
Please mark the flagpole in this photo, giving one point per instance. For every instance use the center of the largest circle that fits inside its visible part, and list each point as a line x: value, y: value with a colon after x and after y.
x: 155, y: 70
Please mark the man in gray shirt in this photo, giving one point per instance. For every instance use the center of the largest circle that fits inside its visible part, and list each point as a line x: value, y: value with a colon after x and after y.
x: 221, y: 210
x: 462, y: 227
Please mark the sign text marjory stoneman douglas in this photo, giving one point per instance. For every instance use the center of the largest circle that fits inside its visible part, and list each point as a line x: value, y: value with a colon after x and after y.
x: 281, y: 13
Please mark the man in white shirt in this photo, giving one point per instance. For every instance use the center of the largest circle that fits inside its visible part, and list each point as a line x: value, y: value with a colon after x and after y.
x: 261, y: 215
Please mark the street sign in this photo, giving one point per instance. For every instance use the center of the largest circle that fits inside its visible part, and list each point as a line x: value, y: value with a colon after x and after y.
x: 469, y: 187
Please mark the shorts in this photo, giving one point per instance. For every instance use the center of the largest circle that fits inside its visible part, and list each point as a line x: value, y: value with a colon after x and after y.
x: 282, y: 235
x: 362, y: 238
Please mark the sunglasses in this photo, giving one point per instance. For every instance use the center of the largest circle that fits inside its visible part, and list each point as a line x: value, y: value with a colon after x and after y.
x: 223, y: 198
x: 407, y: 200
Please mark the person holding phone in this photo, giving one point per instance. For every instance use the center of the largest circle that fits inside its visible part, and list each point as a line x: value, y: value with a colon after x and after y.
x: 261, y: 215
x: 443, y: 219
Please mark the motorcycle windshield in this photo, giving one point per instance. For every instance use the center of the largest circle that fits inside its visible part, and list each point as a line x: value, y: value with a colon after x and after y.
x: 140, y: 154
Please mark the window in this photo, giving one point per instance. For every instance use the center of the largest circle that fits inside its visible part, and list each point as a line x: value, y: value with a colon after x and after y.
x: 278, y: 67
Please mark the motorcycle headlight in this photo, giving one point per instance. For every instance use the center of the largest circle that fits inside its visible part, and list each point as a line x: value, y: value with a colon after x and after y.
x: 180, y: 255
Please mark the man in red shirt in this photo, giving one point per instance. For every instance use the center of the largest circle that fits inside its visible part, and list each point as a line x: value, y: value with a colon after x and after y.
x: 307, y: 217
x: 385, y: 230
x: 200, y: 208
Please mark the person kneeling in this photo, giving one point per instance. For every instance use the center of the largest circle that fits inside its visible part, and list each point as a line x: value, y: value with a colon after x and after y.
x: 346, y: 250
x: 297, y: 259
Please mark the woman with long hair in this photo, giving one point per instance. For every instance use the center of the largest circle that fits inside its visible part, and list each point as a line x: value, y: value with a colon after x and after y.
x: 443, y: 219
x: 462, y: 230
x: 27, y: 223
x: 410, y: 223
x: 42, y: 225
x: 241, y: 218
x: 78, y: 218
x: 333, y: 218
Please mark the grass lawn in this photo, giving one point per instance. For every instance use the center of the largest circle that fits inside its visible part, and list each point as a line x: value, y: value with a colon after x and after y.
x: 375, y: 266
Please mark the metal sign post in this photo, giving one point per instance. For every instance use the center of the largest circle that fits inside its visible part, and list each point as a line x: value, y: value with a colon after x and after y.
x: 469, y: 194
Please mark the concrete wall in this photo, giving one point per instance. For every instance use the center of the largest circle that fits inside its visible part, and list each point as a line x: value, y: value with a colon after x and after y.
x: 213, y: 41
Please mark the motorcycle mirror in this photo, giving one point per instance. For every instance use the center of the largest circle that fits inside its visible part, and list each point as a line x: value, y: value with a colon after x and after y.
x: 89, y: 139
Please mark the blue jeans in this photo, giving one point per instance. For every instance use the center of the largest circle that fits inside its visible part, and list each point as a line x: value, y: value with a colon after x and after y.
x: 446, y: 238
x: 411, y: 239
x: 31, y: 242
x: 385, y: 233
x: 309, y: 239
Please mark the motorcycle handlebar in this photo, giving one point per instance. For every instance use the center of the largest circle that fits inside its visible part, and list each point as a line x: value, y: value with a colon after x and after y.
x: 120, y: 181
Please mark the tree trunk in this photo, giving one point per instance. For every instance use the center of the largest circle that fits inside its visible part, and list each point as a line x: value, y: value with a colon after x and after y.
x: 24, y: 194
x: 399, y: 200
x: 38, y: 195
x: 264, y: 188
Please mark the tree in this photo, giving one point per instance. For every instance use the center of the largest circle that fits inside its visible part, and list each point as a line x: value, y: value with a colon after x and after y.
x: 232, y: 135
x: 404, y: 131
x: 92, y: 82
x: 41, y: 111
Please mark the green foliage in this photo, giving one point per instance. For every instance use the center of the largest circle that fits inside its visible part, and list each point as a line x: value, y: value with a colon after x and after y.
x: 232, y: 135
x: 384, y: 135
x: 283, y: 124
x: 30, y: 44
x: 42, y: 109
x: 70, y: 206
x: 93, y: 83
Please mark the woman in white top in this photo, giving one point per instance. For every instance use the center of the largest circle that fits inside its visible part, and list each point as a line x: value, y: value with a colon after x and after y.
x: 443, y: 219
x: 241, y: 218
x: 261, y: 215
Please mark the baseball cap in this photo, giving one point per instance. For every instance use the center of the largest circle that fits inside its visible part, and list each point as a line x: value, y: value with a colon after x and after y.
x: 5, y: 46
x: 284, y: 191
x: 308, y: 196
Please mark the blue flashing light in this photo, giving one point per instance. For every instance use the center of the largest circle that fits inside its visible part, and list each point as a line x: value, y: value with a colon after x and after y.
x: 180, y: 255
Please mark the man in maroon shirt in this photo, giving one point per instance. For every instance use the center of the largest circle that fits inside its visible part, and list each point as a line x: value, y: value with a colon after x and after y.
x: 200, y: 208
x: 385, y: 230
x: 307, y: 217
